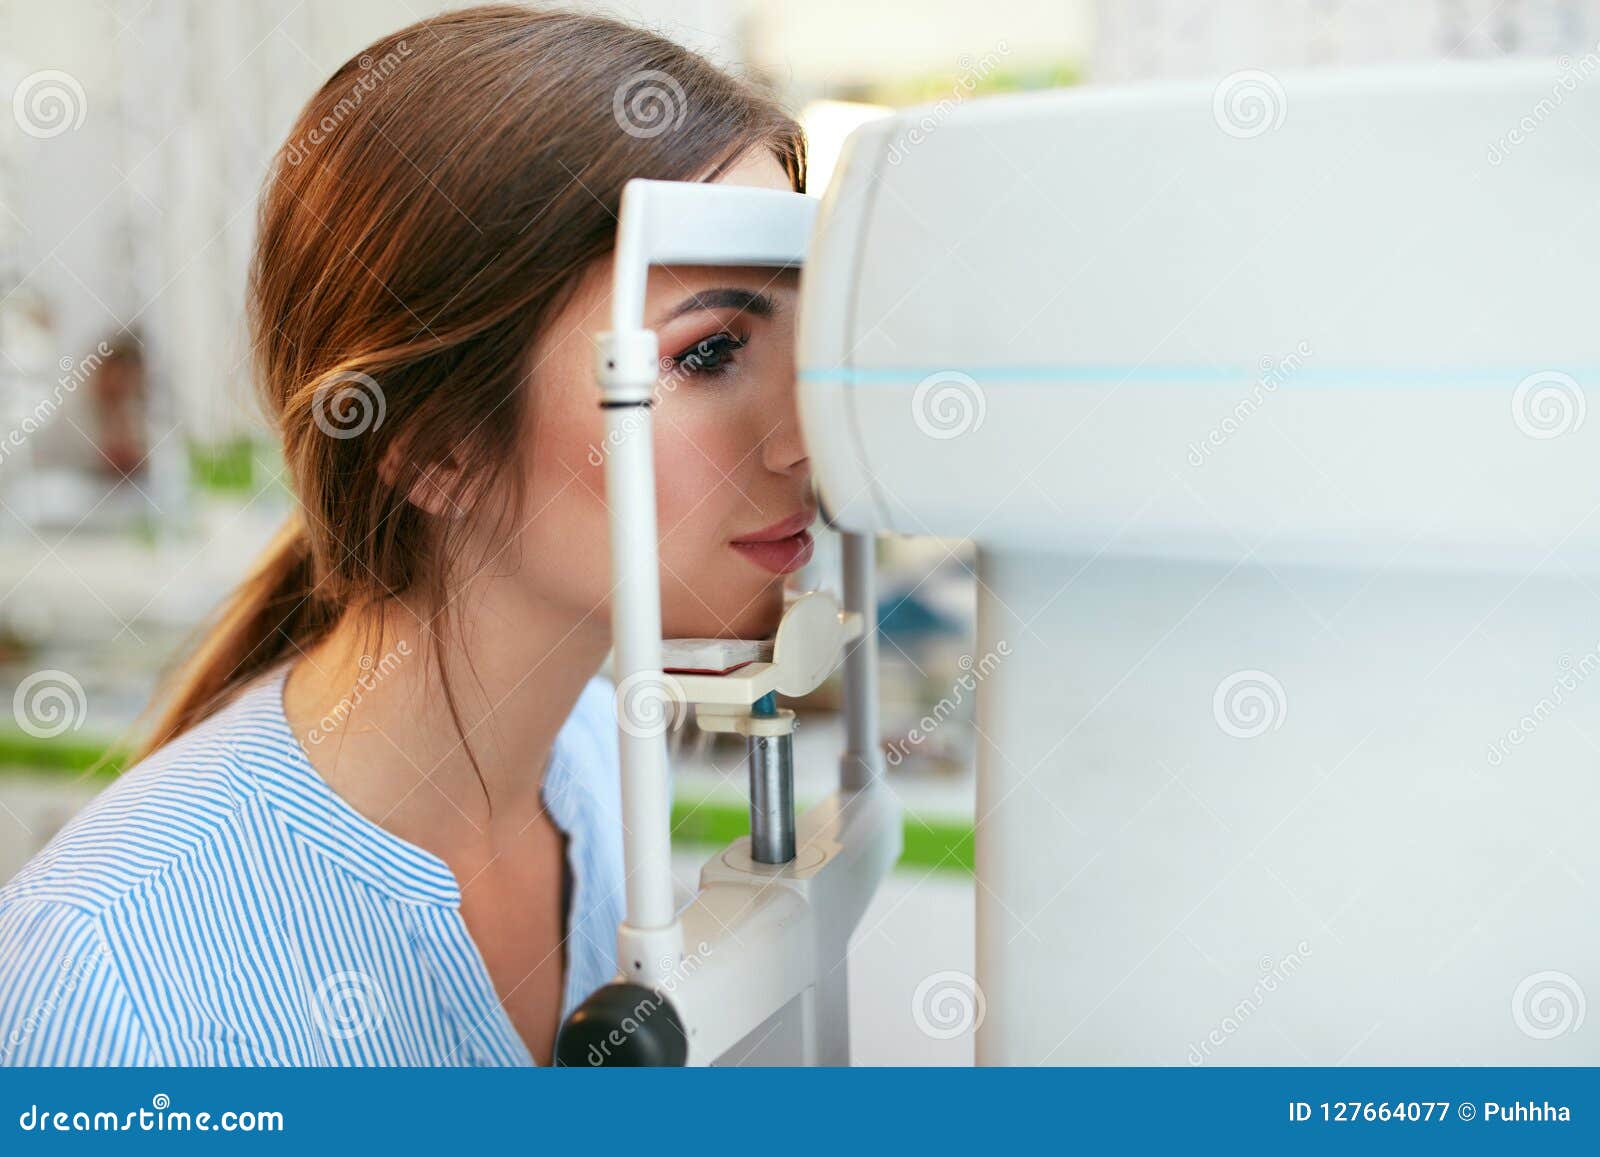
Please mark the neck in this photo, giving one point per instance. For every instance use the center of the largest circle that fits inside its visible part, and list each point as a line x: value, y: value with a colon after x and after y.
x: 370, y: 709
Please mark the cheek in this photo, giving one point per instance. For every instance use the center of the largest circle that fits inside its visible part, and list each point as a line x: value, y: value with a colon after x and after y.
x: 697, y: 468
x: 701, y: 457
x: 566, y: 459
x: 564, y: 541
x: 706, y: 589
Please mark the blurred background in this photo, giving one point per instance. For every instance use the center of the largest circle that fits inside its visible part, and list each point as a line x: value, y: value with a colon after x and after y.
x: 137, y: 478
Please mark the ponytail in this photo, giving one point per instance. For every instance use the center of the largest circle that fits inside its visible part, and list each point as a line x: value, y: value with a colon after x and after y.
x: 275, y: 608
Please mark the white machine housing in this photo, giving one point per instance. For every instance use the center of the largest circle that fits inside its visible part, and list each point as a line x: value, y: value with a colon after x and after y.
x: 1285, y: 404
x: 1084, y: 284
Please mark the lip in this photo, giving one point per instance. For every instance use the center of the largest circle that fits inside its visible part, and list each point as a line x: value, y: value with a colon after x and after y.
x: 779, y: 555
x: 788, y: 528
x: 782, y: 547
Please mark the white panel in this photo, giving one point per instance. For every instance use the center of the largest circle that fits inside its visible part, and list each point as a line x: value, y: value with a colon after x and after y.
x: 1059, y: 297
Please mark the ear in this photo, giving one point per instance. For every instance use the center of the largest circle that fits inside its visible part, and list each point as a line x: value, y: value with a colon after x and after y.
x: 438, y: 488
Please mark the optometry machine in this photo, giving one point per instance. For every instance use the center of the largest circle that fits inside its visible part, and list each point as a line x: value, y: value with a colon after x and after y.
x: 1264, y: 404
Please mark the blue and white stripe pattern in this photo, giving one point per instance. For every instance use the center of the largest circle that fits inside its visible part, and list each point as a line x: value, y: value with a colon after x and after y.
x: 221, y: 905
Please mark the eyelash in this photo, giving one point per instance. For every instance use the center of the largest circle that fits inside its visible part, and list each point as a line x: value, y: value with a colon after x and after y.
x: 722, y: 345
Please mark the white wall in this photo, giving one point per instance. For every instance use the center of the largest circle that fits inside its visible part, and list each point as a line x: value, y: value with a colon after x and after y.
x: 1176, y: 38
x: 144, y: 213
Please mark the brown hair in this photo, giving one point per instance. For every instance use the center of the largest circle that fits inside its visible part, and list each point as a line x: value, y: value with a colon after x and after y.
x: 429, y: 214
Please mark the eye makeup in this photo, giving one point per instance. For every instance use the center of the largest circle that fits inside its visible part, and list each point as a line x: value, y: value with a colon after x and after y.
x: 715, y: 353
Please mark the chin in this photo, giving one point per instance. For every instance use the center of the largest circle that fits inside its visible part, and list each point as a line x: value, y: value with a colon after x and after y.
x: 766, y: 623
x: 746, y: 618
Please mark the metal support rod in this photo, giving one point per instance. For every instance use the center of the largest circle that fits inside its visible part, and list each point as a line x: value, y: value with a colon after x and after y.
x: 771, y: 790
x: 861, y: 762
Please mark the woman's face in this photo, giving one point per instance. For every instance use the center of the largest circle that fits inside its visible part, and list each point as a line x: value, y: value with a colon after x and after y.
x: 729, y: 461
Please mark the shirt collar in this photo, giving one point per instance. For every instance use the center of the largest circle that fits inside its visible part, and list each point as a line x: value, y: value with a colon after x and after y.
x: 325, y: 819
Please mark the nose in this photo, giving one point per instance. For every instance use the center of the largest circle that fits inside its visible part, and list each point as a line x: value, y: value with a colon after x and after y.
x: 784, y: 449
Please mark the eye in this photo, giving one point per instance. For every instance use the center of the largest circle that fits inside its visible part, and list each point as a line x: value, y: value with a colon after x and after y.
x: 711, y: 355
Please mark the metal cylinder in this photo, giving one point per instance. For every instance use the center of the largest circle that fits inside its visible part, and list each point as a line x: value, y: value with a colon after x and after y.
x: 771, y: 791
x: 861, y: 762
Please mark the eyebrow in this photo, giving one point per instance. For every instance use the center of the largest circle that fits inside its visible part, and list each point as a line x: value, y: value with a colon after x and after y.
x: 745, y: 300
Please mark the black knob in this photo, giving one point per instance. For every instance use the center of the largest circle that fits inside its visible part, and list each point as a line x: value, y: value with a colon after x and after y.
x: 623, y: 1024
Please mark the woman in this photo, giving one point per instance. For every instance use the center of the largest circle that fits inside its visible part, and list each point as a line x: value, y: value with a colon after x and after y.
x: 378, y: 820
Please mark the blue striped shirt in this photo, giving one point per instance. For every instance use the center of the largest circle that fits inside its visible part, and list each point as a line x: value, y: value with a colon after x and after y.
x: 220, y: 904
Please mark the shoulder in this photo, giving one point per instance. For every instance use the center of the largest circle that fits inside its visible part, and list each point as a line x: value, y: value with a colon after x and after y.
x: 191, y: 806
x: 583, y: 791
x: 595, y: 714
x: 63, y: 1000
x: 133, y: 901
x: 586, y: 759
x: 155, y: 816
